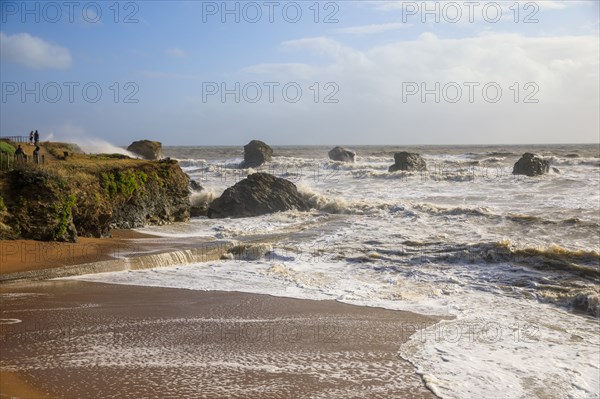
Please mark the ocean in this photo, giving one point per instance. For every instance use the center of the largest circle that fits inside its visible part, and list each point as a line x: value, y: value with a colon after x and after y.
x: 512, y: 262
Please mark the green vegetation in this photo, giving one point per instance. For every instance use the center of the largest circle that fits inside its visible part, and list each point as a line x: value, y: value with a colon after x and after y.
x: 2, y: 206
x: 64, y: 211
x: 5, y: 147
x: 123, y: 182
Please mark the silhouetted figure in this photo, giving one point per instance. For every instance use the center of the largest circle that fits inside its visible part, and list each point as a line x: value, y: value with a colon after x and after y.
x: 36, y: 154
x: 19, y: 154
x: 31, y: 138
x: 36, y: 138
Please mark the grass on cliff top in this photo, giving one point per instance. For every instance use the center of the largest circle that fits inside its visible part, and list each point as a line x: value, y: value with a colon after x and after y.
x: 67, y: 155
x: 5, y: 147
x: 69, y: 162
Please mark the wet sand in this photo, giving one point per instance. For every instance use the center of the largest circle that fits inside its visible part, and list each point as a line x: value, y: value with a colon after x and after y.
x: 26, y: 255
x: 72, y: 339
x: 34, y: 260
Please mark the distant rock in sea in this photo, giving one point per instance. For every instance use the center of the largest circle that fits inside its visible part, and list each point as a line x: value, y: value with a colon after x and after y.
x: 408, y: 161
x: 531, y: 165
x: 150, y: 150
x: 341, y: 154
x: 258, y: 194
x: 256, y: 153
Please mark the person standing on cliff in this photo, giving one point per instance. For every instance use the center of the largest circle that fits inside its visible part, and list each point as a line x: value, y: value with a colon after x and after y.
x: 36, y: 138
x: 31, y: 138
x: 19, y: 154
x: 36, y: 155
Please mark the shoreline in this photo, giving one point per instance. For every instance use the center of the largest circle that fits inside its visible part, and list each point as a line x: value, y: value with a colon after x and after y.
x: 27, y: 255
x: 29, y: 260
x: 164, y: 341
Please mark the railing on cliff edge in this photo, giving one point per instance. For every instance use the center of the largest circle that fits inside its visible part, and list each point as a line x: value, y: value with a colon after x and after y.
x: 15, y: 139
x: 9, y: 162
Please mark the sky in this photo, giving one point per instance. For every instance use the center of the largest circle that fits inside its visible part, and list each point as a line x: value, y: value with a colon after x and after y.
x: 302, y: 73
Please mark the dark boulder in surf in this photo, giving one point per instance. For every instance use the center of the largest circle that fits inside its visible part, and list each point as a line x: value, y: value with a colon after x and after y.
x: 341, y: 154
x: 408, y: 161
x: 150, y: 150
x: 531, y: 165
x: 256, y: 153
x: 258, y: 194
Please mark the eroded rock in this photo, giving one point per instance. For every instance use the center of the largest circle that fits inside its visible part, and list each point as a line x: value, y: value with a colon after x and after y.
x: 258, y: 194
x: 408, y: 161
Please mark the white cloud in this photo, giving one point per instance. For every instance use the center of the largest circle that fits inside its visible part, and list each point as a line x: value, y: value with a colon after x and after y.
x: 552, y: 62
x: 175, y: 52
x: 33, y: 52
x: 372, y: 29
x: 328, y: 47
x: 564, y: 68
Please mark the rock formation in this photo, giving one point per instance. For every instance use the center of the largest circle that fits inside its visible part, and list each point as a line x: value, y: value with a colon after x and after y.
x: 531, y: 165
x: 256, y: 153
x: 408, y: 161
x: 341, y: 154
x: 150, y: 150
x: 162, y: 198
x: 258, y: 194
x: 45, y: 204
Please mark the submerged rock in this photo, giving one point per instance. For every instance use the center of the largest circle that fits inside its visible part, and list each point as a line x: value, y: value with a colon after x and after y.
x: 258, y: 194
x: 250, y: 251
x: 195, y: 186
x: 531, y: 165
x: 341, y: 154
x: 150, y: 150
x: 587, y: 302
x: 408, y: 161
x: 256, y: 153
x: 199, y: 199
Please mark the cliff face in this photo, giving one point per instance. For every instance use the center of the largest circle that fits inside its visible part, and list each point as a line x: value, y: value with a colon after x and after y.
x: 61, y: 201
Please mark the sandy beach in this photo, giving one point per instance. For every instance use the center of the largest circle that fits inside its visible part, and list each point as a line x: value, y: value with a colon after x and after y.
x: 71, y: 339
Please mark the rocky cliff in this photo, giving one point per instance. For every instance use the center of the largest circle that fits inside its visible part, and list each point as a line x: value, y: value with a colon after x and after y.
x: 89, y: 195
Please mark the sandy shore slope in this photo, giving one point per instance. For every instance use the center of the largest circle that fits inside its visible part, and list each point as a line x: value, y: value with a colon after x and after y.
x: 72, y: 339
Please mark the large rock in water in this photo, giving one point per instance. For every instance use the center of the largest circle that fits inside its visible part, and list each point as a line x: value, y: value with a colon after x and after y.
x: 341, y: 154
x: 258, y: 194
x: 256, y: 153
x: 150, y: 150
x: 531, y: 165
x: 408, y: 161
